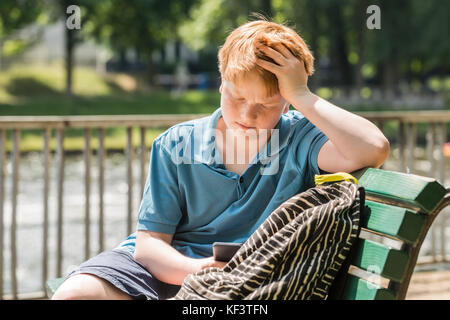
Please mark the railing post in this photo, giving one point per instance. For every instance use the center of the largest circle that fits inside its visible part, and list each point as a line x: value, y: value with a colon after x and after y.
x: 2, y: 202
x: 87, y: 191
x: 143, y: 160
x: 101, y: 188
x: 430, y: 149
x: 381, y: 127
x: 129, y: 153
x: 401, y: 146
x: 60, y: 190
x: 441, y: 163
x: 411, y: 146
x: 15, y: 189
x: 46, y: 160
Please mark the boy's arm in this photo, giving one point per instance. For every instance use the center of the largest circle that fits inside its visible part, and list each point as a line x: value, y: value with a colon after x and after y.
x: 354, y: 142
x: 155, y: 253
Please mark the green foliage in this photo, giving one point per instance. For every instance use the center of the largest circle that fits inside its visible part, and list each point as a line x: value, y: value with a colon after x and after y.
x: 15, y: 14
x: 13, y: 47
x: 412, y: 45
x: 144, y: 25
x: 202, y: 28
x: 210, y: 21
x: 413, y: 39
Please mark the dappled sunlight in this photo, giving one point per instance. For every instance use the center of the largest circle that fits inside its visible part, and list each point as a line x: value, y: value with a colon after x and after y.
x: 49, y: 81
x: 126, y: 82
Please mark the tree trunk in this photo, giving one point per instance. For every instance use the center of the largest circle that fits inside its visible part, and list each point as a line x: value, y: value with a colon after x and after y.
x: 150, y: 71
x: 69, y: 48
x: 390, y: 79
x: 340, y: 46
x: 314, y: 81
x: 360, y: 42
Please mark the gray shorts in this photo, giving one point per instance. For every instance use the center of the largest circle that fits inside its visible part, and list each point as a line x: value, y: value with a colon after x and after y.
x: 120, y: 269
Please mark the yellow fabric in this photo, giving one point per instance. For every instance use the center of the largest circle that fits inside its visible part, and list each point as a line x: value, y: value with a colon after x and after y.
x: 333, y: 177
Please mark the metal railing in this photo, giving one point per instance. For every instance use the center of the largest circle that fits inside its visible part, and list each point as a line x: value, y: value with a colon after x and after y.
x: 406, y: 122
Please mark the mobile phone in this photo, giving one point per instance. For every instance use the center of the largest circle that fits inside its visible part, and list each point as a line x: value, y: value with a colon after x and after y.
x: 224, y: 251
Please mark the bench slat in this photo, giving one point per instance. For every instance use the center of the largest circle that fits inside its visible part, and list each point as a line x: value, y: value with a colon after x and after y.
x: 380, y: 259
x: 360, y: 289
x: 422, y: 192
x: 397, y: 222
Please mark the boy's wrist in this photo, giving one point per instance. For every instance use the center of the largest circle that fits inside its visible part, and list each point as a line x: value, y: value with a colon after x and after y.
x: 302, y: 90
x: 303, y: 98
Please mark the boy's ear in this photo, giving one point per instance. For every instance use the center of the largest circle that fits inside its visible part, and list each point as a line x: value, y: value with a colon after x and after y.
x: 220, y: 88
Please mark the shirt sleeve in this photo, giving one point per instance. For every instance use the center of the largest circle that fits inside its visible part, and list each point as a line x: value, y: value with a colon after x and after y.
x: 309, y: 142
x: 160, y: 209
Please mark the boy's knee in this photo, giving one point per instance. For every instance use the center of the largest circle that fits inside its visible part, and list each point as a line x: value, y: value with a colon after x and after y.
x: 88, y: 287
x: 67, y: 294
x: 79, y: 287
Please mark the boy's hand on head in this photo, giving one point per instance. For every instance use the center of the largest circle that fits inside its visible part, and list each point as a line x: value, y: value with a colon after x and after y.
x: 289, y: 70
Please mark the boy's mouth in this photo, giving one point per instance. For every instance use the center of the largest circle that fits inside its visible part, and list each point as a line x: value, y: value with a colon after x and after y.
x: 244, y: 127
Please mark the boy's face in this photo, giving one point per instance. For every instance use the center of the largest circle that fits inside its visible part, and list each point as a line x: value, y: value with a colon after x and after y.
x: 245, y: 108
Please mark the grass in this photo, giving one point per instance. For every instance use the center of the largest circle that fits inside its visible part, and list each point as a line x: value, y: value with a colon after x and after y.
x: 39, y: 90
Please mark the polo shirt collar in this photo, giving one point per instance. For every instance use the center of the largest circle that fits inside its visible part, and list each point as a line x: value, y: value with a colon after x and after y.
x: 210, y: 155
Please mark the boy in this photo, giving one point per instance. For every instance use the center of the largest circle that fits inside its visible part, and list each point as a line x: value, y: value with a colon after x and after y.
x: 218, y: 178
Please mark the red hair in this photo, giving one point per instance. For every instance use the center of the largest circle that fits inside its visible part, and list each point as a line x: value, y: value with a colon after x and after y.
x: 238, y: 54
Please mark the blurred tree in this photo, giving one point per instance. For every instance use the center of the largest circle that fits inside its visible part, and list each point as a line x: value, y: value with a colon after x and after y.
x: 57, y: 11
x: 15, y: 14
x: 335, y: 32
x: 142, y: 25
x: 390, y: 45
x: 412, y: 45
x: 429, y: 36
x: 413, y: 41
x: 210, y: 21
x: 70, y: 41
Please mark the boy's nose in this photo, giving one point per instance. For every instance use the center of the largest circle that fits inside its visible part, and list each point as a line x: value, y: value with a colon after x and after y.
x: 249, y: 113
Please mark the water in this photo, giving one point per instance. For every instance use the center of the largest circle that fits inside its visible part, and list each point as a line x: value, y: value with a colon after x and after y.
x: 29, y: 232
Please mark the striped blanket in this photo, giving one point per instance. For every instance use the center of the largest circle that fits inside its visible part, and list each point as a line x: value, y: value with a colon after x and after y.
x: 295, y: 254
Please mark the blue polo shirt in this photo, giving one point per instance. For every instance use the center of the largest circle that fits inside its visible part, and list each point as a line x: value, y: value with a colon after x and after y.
x: 189, y: 193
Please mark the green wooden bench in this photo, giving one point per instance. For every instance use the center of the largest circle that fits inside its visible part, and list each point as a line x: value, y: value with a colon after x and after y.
x: 399, y: 210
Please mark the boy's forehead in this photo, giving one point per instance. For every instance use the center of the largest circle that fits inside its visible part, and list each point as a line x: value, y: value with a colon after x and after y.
x: 245, y: 87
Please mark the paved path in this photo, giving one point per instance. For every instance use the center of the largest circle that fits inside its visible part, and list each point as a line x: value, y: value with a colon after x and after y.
x: 429, y: 285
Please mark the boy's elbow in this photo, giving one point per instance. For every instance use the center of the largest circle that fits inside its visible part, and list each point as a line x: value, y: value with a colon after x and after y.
x: 383, y: 148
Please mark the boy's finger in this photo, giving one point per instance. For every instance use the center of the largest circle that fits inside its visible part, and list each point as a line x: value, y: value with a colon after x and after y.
x: 284, y: 51
x: 268, y: 65
x: 272, y: 53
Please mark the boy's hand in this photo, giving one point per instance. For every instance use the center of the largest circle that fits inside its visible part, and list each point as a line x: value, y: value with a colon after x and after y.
x: 289, y: 70
x: 210, y: 262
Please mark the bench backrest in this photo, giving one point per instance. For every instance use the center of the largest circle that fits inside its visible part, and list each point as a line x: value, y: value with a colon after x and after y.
x: 399, y: 210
